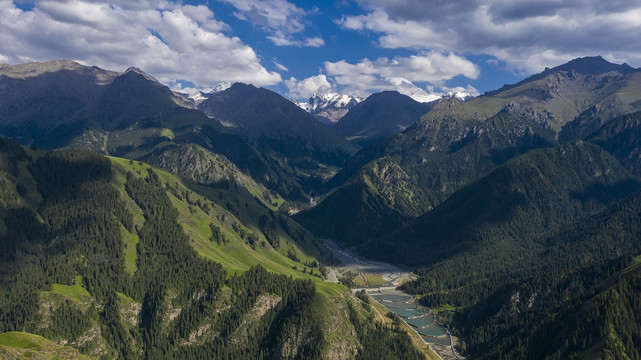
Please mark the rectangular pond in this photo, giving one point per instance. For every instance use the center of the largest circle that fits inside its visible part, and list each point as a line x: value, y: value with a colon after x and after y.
x: 421, y: 322
x: 433, y: 330
x: 395, y: 306
x: 445, y: 340
x: 394, y: 298
x: 409, y: 312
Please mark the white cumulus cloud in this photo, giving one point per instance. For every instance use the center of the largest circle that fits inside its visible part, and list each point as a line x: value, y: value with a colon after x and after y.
x: 281, y: 19
x: 526, y: 35
x: 169, y: 40
x: 304, y: 89
x: 401, y: 74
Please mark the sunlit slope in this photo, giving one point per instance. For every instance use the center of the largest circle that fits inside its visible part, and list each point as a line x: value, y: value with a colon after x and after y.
x: 248, y: 232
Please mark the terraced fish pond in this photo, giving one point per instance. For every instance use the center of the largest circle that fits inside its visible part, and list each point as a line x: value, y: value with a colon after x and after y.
x: 445, y: 341
x: 394, y: 298
x: 418, y: 317
x: 420, y: 322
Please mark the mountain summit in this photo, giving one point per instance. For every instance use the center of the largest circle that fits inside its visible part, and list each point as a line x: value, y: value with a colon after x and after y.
x: 329, y: 108
x: 380, y: 115
x: 573, y: 99
x: 589, y: 65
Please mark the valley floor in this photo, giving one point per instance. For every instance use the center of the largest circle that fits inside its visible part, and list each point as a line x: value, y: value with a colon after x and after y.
x: 366, y: 273
x: 380, y: 280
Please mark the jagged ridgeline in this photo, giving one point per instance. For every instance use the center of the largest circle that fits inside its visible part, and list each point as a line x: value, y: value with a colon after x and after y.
x: 115, y: 259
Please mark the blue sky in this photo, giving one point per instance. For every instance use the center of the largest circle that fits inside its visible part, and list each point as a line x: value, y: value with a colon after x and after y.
x: 420, y: 48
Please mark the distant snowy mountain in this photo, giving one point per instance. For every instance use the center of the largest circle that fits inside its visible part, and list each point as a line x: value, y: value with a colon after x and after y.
x: 329, y: 108
x: 200, y: 96
x: 462, y: 95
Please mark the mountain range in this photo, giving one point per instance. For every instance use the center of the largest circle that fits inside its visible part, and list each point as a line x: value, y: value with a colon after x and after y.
x: 131, y: 114
x: 456, y: 142
x: 155, y: 225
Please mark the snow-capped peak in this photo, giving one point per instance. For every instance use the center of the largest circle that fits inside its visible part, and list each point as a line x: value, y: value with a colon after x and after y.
x: 199, y: 96
x: 329, y: 107
x: 460, y: 93
x: 221, y: 87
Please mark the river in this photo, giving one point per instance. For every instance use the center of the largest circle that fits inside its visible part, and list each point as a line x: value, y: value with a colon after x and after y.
x: 419, y: 318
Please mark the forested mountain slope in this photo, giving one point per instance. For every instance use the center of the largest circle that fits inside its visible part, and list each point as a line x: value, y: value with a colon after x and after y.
x: 622, y: 138
x: 438, y: 158
x: 119, y: 260
x: 378, y: 200
x: 515, y: 205
x: 578, y: 298
x: 540, y: 240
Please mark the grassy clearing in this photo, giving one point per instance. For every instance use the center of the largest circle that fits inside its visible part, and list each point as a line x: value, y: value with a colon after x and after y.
x: 326, y: 290
x: 634, y: 265
x: 131, y: 255
x: 447, y: 308
x: 330, y: 305
x: 130, y: 239
x: 77, y: 292
x: 369, y: 184
x: 167, y: 133
x: 122, y: 166
x: 369, y: 280
x: 18, y: 345
x: 21, y: 340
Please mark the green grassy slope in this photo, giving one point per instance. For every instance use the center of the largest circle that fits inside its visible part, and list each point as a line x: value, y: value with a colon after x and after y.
x: 17, y: 345
x: 234, y: 214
